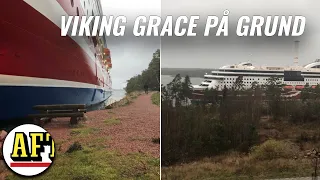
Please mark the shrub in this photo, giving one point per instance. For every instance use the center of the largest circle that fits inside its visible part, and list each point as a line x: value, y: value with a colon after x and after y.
x: 273, y: 149
x: 156, y: 98
x: 76, y: 146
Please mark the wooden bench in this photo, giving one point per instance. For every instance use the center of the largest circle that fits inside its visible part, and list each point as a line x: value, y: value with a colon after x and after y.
x: 47, y: 112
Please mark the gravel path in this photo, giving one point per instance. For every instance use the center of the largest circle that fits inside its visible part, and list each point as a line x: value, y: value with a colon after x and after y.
x: 137, y: 124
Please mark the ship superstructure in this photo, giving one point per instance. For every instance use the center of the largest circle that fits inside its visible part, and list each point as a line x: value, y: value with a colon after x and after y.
x: 294, y: 77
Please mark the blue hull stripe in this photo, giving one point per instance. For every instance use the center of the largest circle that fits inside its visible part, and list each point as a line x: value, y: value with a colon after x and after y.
x: 17, y: 101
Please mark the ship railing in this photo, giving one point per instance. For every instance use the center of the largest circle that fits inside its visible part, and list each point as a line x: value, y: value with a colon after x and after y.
x: 213, y: 76
x: 47, y: 112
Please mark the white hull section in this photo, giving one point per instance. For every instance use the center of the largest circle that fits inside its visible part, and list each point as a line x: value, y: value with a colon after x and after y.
x: 10, y: 80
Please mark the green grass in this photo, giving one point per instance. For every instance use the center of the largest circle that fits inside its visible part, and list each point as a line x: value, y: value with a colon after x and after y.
x: 112, y: 121
x: 83, y: 132
x: 98, y: 163
x: 98, y: 142
x: 238, y: 167
x: 155, y: 98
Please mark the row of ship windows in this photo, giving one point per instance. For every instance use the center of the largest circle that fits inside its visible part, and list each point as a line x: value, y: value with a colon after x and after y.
x: 312, y: 79
x: 232, y: 85
x: 91, y: 39
x: 299, y: 82
x: 248, y: 82
x: 251, y: 79
x: 84, y: 3
x: 78, y: 14
x: 264, y: 79
x: 84, y: 6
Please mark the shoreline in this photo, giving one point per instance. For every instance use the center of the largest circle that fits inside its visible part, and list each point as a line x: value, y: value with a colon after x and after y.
x: 127, y: 99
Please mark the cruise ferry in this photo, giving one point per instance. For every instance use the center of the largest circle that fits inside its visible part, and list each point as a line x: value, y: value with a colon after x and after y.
x: 40, y: 67
x: 294, y: 77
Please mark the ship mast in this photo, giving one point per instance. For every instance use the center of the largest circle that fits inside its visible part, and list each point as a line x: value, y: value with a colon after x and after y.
x: 296, y: 51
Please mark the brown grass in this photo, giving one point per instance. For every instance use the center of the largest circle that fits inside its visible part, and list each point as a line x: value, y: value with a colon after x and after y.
x: 282, y: 154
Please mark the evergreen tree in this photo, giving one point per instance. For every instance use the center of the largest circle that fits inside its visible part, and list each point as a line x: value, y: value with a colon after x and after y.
x: 273, y: 94
x: 175, y: 89
x: 306, y: 92
x: 186, y: 89
x: 238, y: 85
x: 150, y: 76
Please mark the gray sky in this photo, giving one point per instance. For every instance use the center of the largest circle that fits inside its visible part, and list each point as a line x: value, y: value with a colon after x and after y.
x: 213, y: 52
x: 130, y: 55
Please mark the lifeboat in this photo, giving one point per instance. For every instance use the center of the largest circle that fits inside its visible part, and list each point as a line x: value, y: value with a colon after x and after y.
x: 106, y: 52
x: 313, y: 87
x: 288, y: 87
x: 299, y: 87
x: 107, y: 58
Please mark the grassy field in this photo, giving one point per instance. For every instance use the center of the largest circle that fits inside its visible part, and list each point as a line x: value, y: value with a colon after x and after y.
x: 283, y: 153
x: 95, y: 163
x: 92, y: 160
x: 156, y: 98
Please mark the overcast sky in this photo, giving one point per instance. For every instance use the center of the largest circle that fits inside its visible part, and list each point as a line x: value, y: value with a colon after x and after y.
x: 130, y: 55
x: 213, y: 52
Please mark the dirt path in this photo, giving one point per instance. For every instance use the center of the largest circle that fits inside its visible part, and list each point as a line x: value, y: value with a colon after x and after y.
x: 127, y: 129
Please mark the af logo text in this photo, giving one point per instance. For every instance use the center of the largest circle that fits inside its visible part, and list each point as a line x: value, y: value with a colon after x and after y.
x: 28, y: 150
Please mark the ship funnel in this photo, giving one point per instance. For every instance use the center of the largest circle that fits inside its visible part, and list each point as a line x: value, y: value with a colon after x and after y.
x: 296, y: 52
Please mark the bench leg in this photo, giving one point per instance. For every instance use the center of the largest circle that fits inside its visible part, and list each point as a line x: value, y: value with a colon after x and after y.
x: 73, y: 120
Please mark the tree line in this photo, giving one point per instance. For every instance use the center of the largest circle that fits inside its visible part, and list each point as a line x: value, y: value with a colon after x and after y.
x: 149, y: 77
x: 228, y: 119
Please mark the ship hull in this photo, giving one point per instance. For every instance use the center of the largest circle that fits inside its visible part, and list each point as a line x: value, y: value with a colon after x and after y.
x: 39, y: 67
x: 17, y: 101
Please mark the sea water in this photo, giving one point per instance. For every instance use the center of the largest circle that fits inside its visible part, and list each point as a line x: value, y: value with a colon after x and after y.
x: 117, y: 95
x: 166, y: 79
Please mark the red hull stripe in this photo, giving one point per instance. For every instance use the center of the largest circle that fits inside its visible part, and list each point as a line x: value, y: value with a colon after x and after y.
x: 33, y: 47
x: 32, y: 164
